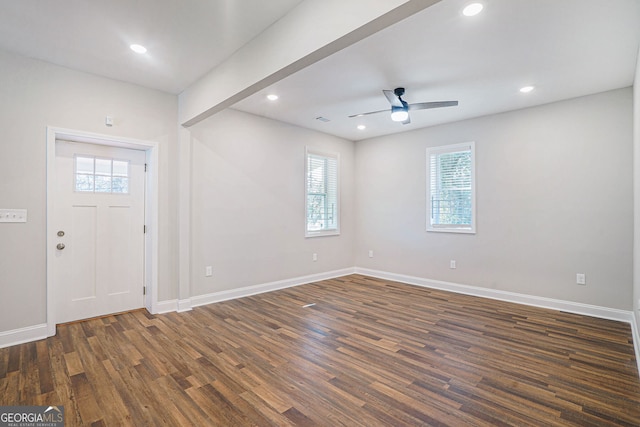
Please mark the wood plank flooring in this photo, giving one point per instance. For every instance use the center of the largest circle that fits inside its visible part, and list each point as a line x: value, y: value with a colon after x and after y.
x: 370, y: 352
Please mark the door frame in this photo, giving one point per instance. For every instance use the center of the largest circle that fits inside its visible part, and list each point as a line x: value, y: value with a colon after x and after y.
x: 151, y: 210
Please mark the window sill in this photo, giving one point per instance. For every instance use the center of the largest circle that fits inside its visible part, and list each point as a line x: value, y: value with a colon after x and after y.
x: 452, y: 230
x: 322, y: 233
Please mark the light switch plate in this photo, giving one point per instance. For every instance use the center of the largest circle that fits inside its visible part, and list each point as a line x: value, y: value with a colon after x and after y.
x: 13, y: 215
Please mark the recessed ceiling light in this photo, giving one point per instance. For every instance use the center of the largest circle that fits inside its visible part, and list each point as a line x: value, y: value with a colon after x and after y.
x: 272, y: 97
x: 362, y: 127
x: 138, y: 48
x: 473, y: 9
x: 526, y: 89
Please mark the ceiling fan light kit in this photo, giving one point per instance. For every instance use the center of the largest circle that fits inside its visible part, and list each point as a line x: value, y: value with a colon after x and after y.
x: 399, y: 114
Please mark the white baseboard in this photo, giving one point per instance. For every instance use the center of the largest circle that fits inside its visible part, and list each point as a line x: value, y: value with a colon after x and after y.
x: 543, y: 302
x: 23, y: 335
x: 167, y: 306
x: 554, y: 304
x: 266, y: 287
x: 184, y: 305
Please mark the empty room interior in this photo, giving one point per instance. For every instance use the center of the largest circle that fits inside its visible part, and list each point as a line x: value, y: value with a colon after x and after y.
x: 321, y: 213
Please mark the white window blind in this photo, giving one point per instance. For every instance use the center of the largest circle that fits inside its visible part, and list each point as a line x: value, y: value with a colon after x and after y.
x: 451, y: 188
x: 322, y: 199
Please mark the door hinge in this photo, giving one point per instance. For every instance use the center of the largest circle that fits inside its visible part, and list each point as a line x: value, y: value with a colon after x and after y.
x: 144, y: 229
x: 145, y: 167
x: 144, y: 290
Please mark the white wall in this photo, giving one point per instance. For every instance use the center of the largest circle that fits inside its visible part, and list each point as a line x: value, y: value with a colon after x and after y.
x: 247, y: 206
x: 554, y: 198
x: 34, y: 95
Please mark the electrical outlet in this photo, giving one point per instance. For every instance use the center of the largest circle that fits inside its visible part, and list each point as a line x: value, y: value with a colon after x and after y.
x: 452, y: 264
x: 315, y: 257
x: 208, y: 271
x: 370, y: 253
x: 581, y: 279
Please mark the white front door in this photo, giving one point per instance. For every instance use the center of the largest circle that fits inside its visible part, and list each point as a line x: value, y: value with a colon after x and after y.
x: 98, y: 230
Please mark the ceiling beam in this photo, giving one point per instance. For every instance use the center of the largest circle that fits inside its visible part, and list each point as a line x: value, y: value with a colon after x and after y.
x: 312, y: 31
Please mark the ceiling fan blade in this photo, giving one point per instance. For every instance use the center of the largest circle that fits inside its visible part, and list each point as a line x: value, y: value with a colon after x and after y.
x: 436, y: 104
x: 370, y: 112
x: 406, y: 122
x: 393, y: 98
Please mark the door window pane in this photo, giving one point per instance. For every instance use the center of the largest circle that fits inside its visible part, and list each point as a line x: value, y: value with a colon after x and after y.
x: 84, y: 165
x: 119, y: 184
x: 101, y: 175
x: 84, y: 182
x: 120, y: 168
x: 103, y: 167
x: 103, y: 184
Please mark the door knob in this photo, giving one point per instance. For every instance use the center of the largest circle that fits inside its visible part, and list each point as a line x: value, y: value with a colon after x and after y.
x: 60, y: 246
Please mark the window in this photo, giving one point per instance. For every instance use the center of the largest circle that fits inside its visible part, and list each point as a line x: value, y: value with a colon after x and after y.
x: 451, y: 188
x: 322, y: 199
x: 100, y: 175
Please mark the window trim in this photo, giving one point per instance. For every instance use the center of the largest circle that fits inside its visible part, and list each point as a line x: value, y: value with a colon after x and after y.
x: 333, y: 231
x: 465, y: 229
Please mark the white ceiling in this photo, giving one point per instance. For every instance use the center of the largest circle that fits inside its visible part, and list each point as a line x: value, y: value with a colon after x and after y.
x: 185, y: 38
x: 566, y: 48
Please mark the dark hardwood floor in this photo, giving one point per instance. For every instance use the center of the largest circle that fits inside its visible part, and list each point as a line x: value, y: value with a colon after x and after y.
x: 368, y: 353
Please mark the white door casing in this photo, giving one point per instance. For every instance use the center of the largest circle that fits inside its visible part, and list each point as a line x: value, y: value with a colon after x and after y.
x: 150, y: 149
x: 99, y: 259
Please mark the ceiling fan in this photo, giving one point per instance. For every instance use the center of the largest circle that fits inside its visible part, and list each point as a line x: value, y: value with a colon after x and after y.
x: 400, y: 108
